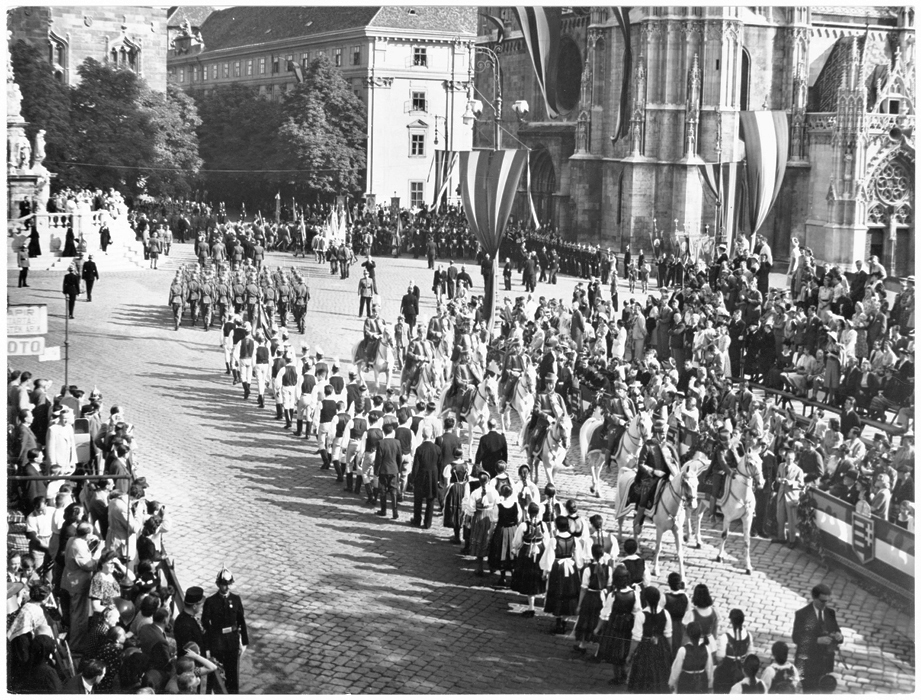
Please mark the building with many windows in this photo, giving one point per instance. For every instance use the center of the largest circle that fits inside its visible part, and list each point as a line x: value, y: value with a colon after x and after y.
x: 410, y: 66
x: 130, y: 37
x: 620, y: 164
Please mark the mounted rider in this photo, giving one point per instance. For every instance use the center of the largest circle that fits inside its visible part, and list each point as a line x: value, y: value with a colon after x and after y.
x: 619, y: 411
x: 657, y: 460
x: 419, y: 353
x: 548, y: 409
x: 374, y: 331
x: 515, y: 368
x: 725, y: 461
x: 467, y: 375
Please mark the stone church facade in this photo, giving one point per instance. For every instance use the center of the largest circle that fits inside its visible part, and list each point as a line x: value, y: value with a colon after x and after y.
x: 844, y: 76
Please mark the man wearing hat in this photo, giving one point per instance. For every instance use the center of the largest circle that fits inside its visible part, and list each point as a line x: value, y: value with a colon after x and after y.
x: 71, y: 288
x: 22, y: 260
x: 224, y: 625
x: 548, y: 408
x: 373, y: 331
x: 656, y: 460
x: 243, y: 354
x: 90, y: 274
x: 186, y: 628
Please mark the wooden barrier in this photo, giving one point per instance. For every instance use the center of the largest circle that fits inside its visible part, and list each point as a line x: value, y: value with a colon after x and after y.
x: 869, y: 546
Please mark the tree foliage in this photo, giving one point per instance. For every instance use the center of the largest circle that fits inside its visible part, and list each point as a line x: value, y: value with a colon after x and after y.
x: 238, y: 132
x: 113, y: 134
x: 45, y: 105
x: 176, y: 120
x: 324, y: 131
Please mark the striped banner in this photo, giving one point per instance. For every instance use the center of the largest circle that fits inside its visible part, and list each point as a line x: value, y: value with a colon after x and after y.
x: 444, y: 163
x: 623, y: 113
x: 540, y: 27
x: 534, y: 219
x: 723, y: 182
x: 489, y: 181
x: 766, y: 136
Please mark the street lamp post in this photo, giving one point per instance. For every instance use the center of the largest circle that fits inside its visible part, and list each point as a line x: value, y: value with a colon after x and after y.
x: 475, y: 107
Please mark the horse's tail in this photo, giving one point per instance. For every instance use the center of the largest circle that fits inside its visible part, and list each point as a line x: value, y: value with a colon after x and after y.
x: 355, y: 358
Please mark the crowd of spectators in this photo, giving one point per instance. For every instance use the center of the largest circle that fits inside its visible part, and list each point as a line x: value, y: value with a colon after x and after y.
x: 85, y: 556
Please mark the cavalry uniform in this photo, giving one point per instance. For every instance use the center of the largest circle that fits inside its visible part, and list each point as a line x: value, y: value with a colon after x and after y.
x: 515, y: 369
x: 373, y: 331
x: 418, y: 354
x: 656, y: 460
x: 548, y: 408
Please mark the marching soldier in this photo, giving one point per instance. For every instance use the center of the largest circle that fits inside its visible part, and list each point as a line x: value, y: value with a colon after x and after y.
x: 207, y: 299
x: 193, y: 295
x: 269, y: 295
x: 252, y: 297
x: 239, y: 293
x: 282, y: 296
x: 222, y: 297
x: 224, y: 625
x: 176, y: 297
x: 301, y: 295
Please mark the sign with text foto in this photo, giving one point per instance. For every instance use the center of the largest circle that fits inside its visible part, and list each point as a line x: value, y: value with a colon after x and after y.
x: 16, y: 347
x: 52, y: 354
x: 27, y: 319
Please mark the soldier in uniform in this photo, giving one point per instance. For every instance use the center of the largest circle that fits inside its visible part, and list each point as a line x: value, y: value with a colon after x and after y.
x: 656, y: 460
x: 418, y: 354
x: 207, y: 300
x: 238, y: 288
x: 176, y: 297
x: 466, y: 373
x: 252, y: 296
x: 300, y: 294
x: 282, y: 297
x: 193, y: 295
x: 515, y: 368
x: 224, y: 625
x: 269, y: 295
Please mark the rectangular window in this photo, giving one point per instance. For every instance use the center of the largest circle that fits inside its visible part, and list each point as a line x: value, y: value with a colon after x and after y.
x: 305, y: 59
x: 249, y: 66
x: 416, y: 193
x: 274, y: 65
x: 225, y: 70
x: 356, y: 55
x: 214, y: 71
x: 182, y: 75
x: 262, y: 66
x: 236, y: 69
x: 337, y: 57
x: 418, y: 101
x: 417, y: 145
x: 419, y: 56
x: 194, y: 74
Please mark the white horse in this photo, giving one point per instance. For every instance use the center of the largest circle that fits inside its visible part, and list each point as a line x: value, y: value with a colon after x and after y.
x: 522, y: 402
x: 638, y: 430
x: 699, y: 463
x: 678, y: 494
x: 477, y: 415
x: 739, y: 504
x: 552, y: 450
x: 384, y: 361
x: 594, y: 458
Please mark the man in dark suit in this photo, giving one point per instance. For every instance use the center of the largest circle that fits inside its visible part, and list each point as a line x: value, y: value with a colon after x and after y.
x: 409, y: 307
x: 387, y: 469
x: 90, y: 274
x: 849, y: 417
x: 492, y: 449
x: 224, y: 624
x: 452, y: 279
x: 71, y: 289
x: 424, y: 478
x: 85, y: 681
x: 577, y: 326
x: 186, y: 628
x: 817, y: 636
x: 859, y: 282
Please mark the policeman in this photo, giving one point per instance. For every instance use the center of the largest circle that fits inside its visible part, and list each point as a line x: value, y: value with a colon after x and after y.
x: 224, y: 625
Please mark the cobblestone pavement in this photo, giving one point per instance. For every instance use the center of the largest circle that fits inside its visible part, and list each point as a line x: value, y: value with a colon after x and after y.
x: 339, y: 600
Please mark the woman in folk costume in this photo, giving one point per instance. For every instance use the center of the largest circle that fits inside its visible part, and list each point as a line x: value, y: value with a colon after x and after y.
x: 676, y: 605
x: 596, y: 580
x: 616, y: 623
x: 732, y: 648
x: 650, y: 648
x: 703, y: 612
x: 530, y: 541
x: 457, y: 477
x: 692, y: 670
x: 635, y: 564
x: 561, y: 563
x: 501, y: 551
x: 481, y: 502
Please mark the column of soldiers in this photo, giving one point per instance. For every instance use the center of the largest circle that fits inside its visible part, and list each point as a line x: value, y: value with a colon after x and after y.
x: 215, y: 294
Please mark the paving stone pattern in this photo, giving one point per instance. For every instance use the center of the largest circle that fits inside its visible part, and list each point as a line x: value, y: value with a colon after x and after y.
x: 337, y: 599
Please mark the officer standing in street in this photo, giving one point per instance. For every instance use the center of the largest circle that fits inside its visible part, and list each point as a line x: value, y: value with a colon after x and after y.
x: 90, y: 275
x: 22, y: 259
x: 224, y: 625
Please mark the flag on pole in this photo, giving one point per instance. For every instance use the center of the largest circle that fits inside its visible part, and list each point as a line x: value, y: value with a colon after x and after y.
x: 766, y: 137
x: 277, y: 207
x: 540, y: 27
x: 443, y: 165
x: 534, y: 218
x: 622, y: 14
x: 489, y: 183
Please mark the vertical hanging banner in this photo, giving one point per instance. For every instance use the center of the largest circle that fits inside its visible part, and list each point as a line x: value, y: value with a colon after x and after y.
x: 766, y: 137
x: 623, y: 113
x: 540, y: 27
x: 489, y: 182
x: 722, y: 181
